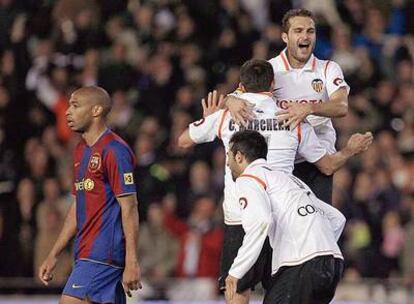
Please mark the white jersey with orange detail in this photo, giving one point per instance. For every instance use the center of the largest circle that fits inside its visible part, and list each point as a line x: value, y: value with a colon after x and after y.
x: 283, y: 144
x: 299, y: 225
x: 314, y: 83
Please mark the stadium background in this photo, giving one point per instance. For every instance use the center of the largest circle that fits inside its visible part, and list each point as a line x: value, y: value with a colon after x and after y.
x: 158, y: 59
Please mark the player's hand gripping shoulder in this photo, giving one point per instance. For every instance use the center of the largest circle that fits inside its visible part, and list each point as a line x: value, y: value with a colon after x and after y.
x: 294, y: 114
x: 213, y: 104
x: 359, y: 143
x: 240, y: 109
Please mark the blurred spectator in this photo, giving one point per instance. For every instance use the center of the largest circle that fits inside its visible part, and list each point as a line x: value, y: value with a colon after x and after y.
x: 26, y: 223
x: 49, y: 217
x: 157, y: 251
x: 407, y: 263
x: 200, y: 240
x: 393, y: 242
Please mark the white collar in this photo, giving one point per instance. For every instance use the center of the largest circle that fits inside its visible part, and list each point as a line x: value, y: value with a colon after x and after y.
x: 310, y: 65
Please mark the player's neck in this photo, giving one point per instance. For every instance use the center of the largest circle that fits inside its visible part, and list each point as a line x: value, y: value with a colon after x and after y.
x: 94, y: 132
x: 294, y: 63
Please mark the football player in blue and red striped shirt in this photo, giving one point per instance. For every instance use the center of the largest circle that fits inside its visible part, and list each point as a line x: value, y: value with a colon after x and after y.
x: 104, y: 215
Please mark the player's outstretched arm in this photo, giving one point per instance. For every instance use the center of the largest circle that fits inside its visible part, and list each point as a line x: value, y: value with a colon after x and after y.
x: 185, y: 141
x: 211, y: 105
x: 131, y: 278
x: 67, y: 233
x: 358, y: 143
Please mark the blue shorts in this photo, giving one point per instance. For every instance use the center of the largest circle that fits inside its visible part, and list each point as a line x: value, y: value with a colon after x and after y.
x: 96, y: 282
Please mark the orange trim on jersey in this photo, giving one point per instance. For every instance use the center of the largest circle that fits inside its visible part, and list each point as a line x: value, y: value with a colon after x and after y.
x: 285, y: 61
x: 259, y: 180
x: 326, y: 67
x: 299, y: 130
x: 313, y: 64
x: 223, y: 116
x: 266, y: 93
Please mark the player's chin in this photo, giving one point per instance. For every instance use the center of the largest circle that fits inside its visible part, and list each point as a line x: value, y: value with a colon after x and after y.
x: 74, y: 128
x: 304, y: 54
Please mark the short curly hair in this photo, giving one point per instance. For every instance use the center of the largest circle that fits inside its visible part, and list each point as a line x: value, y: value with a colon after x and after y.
x: 298, y: 12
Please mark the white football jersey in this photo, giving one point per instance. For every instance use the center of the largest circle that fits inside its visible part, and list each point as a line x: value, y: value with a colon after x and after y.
x: 314, y: 83
x: 283, y: 144
x: 299, y: 225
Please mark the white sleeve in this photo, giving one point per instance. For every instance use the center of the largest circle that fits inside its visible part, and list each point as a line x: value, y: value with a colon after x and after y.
x: 256, y: 219
x: 335, y: 217
x: 205, y: 129
x: 335, y: 78
x: 310, y: 147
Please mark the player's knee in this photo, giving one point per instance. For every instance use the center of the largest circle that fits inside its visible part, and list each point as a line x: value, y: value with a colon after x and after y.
x: 65, y: 299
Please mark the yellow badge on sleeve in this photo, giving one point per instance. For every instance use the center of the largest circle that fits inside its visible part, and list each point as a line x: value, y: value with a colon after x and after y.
x: 128, y: 179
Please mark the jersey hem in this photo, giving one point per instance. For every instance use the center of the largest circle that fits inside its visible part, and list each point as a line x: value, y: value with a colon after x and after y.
x: 232, y: 223
x: 125, y: 194
x: 100, y: 262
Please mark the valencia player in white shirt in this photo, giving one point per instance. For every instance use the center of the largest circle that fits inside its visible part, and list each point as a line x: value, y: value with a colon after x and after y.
x: 303, y: 231
x: 284, y: 143
x: 306, y: 88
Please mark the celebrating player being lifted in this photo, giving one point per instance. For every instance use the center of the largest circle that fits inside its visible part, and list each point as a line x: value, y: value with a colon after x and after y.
x: 104, y: 215
x: 256, y: 77
x: 303, y: 231
x: 307, y: 87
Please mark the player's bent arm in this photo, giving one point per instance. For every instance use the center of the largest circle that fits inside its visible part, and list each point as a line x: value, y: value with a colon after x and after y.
x: 256, y: 221
x: 336, y: 107
x: 130, y: 225
x: 67, y: 233
x: 358, y: 143
x: 330, y: 163
x: 185, y: 141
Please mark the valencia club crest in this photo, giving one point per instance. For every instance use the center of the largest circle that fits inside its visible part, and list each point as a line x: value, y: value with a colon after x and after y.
x: 317, y: 85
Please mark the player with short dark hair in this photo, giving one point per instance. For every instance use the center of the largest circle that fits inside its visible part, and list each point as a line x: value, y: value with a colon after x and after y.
x: 303, y: 231
x: 256, y: 75
x: 297, y: 12
x: 104, y: 215
x: 250, y: 144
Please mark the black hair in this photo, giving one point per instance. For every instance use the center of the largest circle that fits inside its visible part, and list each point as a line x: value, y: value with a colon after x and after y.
x: 256, y: 75
x: 298, y: 12
x: 250, y: 143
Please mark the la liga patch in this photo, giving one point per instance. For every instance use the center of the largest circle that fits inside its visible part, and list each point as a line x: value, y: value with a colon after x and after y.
x: 128, y: 179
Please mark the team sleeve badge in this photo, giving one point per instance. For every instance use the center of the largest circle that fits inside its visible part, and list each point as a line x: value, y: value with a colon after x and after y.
x: 128, y: 178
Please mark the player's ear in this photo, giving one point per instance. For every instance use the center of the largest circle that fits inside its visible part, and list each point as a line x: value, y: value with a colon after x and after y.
x: 97, y: 110
x: 285, y: 37
x: 272, y: 85
x: 242, y: 88
x: 239, y: 157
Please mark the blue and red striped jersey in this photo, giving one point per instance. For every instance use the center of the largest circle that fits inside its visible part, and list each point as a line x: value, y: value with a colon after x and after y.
x: 102, y: 172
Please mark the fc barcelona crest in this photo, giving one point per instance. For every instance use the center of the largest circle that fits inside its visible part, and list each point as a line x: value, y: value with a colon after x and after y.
x: 317, y: 85
x: 94, y: 162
